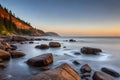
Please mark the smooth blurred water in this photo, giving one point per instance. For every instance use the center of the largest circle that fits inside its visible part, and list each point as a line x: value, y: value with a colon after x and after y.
x: 17, y: 69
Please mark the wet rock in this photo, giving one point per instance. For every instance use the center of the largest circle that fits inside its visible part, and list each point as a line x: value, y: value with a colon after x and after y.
x: 4, y: 55
x: 64, y: 47
x: 41, y: 60
x: 54, y: 44
x: 85, y: 69
x: 72, y: 40
x: 2, y: 65
x: 1, y: 60
x: 84, y: 75
x: 13, y: 47
x: 2, y: 46
x: 42, y: 46
x: 111, y: 72
x: 77, y: 53
x: 19, y: 38
x: 89, y: 50
x: 76, y: 62
x: 17, y: 54
x: 63, y: 72
x: 101, y: 76
x: 31, y: 42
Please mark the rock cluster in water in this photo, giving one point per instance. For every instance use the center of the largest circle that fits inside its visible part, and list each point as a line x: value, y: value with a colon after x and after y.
x: 62, y: 72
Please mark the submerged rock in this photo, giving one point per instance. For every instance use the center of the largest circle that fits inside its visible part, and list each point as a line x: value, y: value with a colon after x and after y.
x: 76, y: 62
x: 17, y: 54
x: 41, y: 60
x: 111, y: 72
x: 54, y: 44
x: 72, y: 40
x: 4, y: 55
x: 31, y: 42
x: 85, y: 68
x: 42, y: 46
x: 89, y: 50
x: 101, y: 76
x: 63, y: 72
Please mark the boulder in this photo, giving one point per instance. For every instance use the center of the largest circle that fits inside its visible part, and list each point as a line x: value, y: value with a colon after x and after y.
x: 89, y: 50
x: 41, y: 60
x: 62, y: 72
x: 42, y: 46
x: 85, y: 68
x: 111, y: 72
x: 17, y: 54
x: 54, y: 44
x: 101, y: 76
x: 4, y: 55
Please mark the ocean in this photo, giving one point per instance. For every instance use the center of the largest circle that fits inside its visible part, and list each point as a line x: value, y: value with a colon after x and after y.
x: 17, y: 69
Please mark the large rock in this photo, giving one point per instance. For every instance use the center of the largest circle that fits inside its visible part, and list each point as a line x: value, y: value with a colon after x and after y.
x: 41, y: 60
x: 101, y: 76
x: 4, y: 55
x: 85, y: 68
x: 111, y: 72
x: 54, y: 44
x: 17, y: 54
x: 42, y: 46
x: 63, y: 72
x: 89, y: 50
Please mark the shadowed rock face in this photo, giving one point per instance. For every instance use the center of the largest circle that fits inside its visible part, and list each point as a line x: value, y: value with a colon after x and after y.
x: 41, y: 60
x: 4, y: 55
x: 63, y: 72
x: 89, y: 50
x: 101, y: 76
x: 54, y: 44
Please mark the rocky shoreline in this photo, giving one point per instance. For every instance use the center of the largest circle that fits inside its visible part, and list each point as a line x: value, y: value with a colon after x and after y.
x: 8, y: 50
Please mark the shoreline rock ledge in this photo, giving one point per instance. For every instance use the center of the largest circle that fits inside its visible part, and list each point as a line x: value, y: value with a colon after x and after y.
x: 62, y: 72
x: 41, y: 60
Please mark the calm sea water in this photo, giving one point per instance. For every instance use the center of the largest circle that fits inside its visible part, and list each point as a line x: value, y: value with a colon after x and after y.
x: 17, y: 69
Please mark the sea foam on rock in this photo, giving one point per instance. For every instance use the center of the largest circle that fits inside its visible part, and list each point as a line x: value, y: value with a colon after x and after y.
x: 62, y: 72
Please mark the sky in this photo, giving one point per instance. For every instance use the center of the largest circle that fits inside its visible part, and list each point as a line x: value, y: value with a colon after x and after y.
x: 69, y: 17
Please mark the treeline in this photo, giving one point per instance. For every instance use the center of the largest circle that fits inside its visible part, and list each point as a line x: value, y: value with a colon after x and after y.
x: 8, y: 27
